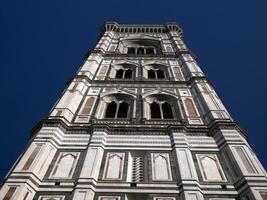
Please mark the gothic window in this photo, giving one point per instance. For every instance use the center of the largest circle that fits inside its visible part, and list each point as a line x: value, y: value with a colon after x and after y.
x: 155, y: 74
x: 119, y: 73
x: 131, y: 50
x: 167, y: 111
x: 161, y: 110
x: 117, y: 109
x: 155, y: 111
x: 150, y: 51
x: 140, y: 51
x: 161, y: 106
x: 151, y: 74
x: 128, y: 74
x: 160, y: 74
x: 124, y: 74
x: 111, y: 110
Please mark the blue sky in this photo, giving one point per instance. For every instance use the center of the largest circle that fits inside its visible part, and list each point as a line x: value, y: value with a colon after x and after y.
x: 42, y: 44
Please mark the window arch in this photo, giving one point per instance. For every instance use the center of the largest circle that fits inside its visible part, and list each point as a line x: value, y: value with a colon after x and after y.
x: 117, y: 109
x: 155, y: 71
x: 116, y: 106
x: 161, y: 106
x: 122, y: 71
x: 140, y: 46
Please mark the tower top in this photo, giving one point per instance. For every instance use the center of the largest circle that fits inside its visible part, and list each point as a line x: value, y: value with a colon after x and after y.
x: 141, y: 28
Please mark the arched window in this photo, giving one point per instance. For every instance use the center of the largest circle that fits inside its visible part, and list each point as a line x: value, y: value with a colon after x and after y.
x: 150, y: 51
x: 161, y: 106
x: 161, y: 111
x: 155, y: 74
x: 128, y: 74
x: 167, y: 111
x: 155, y: 111
x: 121, y: 74
x: 123, y: 110
x: 160, y: 74
x: 117, y: 109
x: 140, y: 51
x: 131, y: 50
x: 151, y: 74
x: 111, y: 110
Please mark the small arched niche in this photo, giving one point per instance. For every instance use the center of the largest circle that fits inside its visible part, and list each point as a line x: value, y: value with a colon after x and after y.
x: 161, y: 107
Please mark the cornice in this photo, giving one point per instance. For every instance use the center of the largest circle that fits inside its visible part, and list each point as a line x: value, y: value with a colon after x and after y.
x: 141, y: 28
x: 138, y: 128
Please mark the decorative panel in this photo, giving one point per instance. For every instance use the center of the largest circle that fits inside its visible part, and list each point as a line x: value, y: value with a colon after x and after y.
x: 164, y: 198
x: 210, y: 167
x: 109, y: 198
x: 114, y: 166
x: 245, y: 160
x: 102, y: 72
x: 87, y: 106
x: 177, y: 73
x: 263, y: 195
x: 65, y: 165
x: 31, y: 158
x: 161, y: 170
x: 80, y: 195
x: 191, y: 111
x: 10, y: 193
x: 51, y: 197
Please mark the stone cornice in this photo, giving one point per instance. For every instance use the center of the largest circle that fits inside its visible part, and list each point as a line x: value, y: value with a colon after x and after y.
x: 141, y: 28
x: 142, y: 129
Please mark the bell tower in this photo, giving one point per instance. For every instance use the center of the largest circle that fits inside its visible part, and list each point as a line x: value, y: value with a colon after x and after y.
x: 138, y: 121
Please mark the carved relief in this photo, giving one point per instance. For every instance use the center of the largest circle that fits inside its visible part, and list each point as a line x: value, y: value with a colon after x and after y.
x: 114, y: 166
x: 161, y: 170
x: 65, y: 165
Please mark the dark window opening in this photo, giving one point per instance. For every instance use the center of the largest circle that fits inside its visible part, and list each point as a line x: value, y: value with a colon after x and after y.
x: 167, y: 111
x: 155, y: 111
x: 119, y: 73
x: 140, y: 51
x: 131, y: 50
x: 160, y: 73
x: 123, y: 110
x: 111, y: 110
x: 151, y: 73
x: 149, y: 51
x: 128, y: 74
